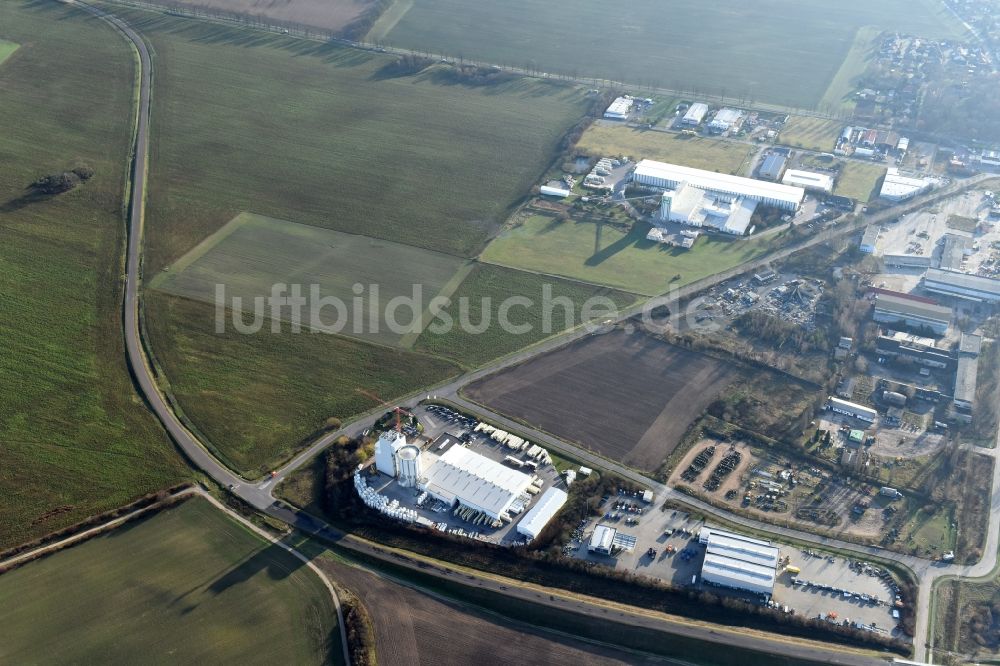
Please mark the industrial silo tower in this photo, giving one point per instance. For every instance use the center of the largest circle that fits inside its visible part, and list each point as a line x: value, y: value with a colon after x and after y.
x: 408, y: 464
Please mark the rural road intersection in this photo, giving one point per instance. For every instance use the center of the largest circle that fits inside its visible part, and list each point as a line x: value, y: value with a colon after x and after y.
x: 260, y: 494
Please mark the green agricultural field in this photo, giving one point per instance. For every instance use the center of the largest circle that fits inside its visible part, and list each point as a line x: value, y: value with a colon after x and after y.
x: 252, y: 253
x: 485, y: 291
x: 859, y: 180
x: 602, y: 254
x: 184, y: 586
x: 606, y: 140
x: 811, y: 133
x: 328, y: 136
x: 75, y: 439
x: 781, y: 52
x: 7, y: 49
x: 256, y: 398
x: 839, y: 96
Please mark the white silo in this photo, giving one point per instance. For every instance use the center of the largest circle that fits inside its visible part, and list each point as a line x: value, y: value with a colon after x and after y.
x: 408, y: 464
x: 666, y: 201
x: 385, y: 451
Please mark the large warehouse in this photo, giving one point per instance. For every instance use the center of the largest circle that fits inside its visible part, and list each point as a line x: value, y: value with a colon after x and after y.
x: 916, y: 313
x: 738, y: 562
x: 703, y: 208
x: 670, y: 176
x: 809, y: 180
x: 852, y: 409
x: 695, y: 114
x: 545, y: 509
x: 968, y: 366
x: 474, y: 481
x: 897, y: 187
x: 962, y: 285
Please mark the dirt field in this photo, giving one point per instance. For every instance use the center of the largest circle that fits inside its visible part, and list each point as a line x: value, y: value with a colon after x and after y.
x: 414, y: 628
x: 332, y: 15
x: 626, y: 396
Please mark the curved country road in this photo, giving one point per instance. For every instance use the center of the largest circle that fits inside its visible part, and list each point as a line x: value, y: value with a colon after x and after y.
x: 259, y: 495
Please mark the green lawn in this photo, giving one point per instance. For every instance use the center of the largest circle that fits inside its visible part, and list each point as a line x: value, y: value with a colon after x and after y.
x: 858, y: 180
x: 252, y: 253
x: 602, y: 254
x: 256, y: 398
x: 811, y: 133
x: 184, y: 586
x: 75, y: 439
x: 485, y: 291
x: 323, y: 135
x: 779, y: 51
x: 701, y: 153
x: 7, y: 49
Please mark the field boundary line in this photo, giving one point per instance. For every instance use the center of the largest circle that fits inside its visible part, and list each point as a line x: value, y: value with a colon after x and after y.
x: 851, y: 66
x: 200, y: 250
x: 389, y: 19
x: 448, y: 289
x: 270, y: 538
x: 97, y: 530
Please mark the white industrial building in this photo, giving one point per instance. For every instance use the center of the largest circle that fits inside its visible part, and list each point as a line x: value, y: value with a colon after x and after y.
x: 474, y: 481
x: 671, y: 176
x: 619, y: 108
x: 702, y: 208
x: 695, y: 114
x: 853, y: 409
x: 726, y: 119
x: 545, y: 509
x: 386, y: 447
x: 962, y: 285
x: 738, y: 562
x: 602, y: 540
x: 897, y: 187
x: 550, y: 191
x: 809, y: 180
x: 408, y: 465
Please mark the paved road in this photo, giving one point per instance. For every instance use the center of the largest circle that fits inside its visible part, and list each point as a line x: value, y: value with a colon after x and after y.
x: 260, y: 495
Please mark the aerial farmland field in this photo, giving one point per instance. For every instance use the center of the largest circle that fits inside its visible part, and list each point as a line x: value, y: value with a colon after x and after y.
x: 602, y: 254
x: 252, y: 253
x: 186, y: 585
x: 75, y: 439
x: 328, y: 136
x: 778, y: 51
x: 626, y: 396
x: 7, y: 49
x: 256, y: 398
x: 605, y: 140
x: 811, y: 133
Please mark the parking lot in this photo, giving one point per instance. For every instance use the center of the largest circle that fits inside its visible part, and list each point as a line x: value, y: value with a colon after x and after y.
x: 832, y: 587
x: 442, y: 430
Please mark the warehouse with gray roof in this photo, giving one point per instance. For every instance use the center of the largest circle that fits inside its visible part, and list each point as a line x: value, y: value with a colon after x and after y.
x: 738, y: 562
x: 901, y: 310
x: 961, y: 285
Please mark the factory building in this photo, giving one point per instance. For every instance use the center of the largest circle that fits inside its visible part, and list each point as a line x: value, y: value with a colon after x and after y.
x: 738, y: 562
x: 907, y: 260
x: 773, y: 167
x: 851, y: 409
x: 919, y: 350
x: 869, y: 240
x: 671, y: 176
x: 953, y: 252
x: 700, y: 208
x: 602, y: 540
x: 474, y: 481
x: 538, y: 516
x: 960, y: 285
x: 386, y: 447
x: 619, y: 108
x: 897, y: 187
x: 968, y: 366
x: 725, y: 120
x: 695, y: 114
x: 809, y: 180
x: 902, y: 310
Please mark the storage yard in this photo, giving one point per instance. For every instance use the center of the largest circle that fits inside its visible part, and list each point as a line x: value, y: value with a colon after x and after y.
x: 788, y: 295
x: 667, y: 547
x: 463, y: 477
x: 658, y: 390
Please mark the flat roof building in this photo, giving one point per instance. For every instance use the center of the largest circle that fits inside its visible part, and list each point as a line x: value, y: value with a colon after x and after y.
x: 739, y: 562
x: 619, y: 108
x: 474, y: 481
x: 897, y: 187
x: 869, y: 240
x: 851, y: 409
x: 809, y: 180
x: 695, y: 207
x: 900, y: 311
x: 968, y: 369
x: 602, y: 540
x: 962, y: 285
x: 773, y: 167
x: 670, y: 176
x: 695, y: 114
x: 538, y: 516
x: 726, y: 119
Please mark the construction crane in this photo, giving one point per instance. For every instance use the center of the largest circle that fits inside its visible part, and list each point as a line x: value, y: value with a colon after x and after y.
x: 399, y: 411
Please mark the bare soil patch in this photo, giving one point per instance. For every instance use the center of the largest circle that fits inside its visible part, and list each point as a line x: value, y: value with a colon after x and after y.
x: 414, y: 628
x: 626, y: 396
